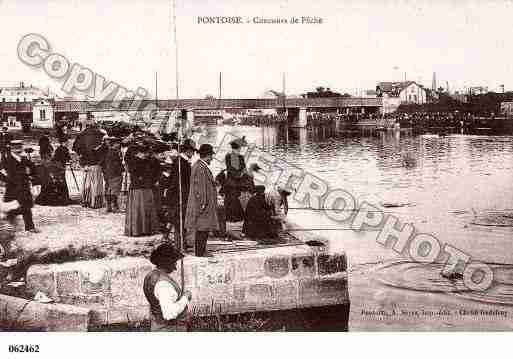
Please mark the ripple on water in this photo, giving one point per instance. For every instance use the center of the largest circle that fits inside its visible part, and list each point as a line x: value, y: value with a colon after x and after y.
x: 427, y: 278
x: 416, y: 276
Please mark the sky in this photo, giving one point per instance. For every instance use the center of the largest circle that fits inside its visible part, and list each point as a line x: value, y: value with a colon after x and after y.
x: 359, y: 43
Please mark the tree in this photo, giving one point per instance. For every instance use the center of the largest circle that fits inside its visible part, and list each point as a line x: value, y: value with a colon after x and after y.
x: 321, y: 92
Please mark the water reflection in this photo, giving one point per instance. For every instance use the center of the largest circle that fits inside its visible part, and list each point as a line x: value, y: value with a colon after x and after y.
x: 438, y: 175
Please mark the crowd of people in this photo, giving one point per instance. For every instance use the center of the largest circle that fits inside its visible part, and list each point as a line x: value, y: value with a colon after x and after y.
x: 169, y: 185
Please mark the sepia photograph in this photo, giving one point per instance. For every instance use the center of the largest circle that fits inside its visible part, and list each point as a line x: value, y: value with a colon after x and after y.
x: 255, y: 166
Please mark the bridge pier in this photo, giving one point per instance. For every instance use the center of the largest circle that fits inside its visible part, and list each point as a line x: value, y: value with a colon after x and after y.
x: 297, y: 117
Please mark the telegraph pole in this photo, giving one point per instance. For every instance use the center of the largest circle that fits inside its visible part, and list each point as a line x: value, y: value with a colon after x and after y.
x: 220, y: 85
x: 156, y: 90
x: 176, y: 50
x: 283, y: 84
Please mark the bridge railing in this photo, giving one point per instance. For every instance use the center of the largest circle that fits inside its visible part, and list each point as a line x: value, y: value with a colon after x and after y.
x: 86, y: 106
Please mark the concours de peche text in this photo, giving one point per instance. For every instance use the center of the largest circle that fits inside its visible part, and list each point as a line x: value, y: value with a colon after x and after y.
x: 258, y: 20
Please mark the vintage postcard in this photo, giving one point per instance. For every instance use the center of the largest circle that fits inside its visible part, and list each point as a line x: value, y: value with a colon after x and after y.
x: 258, y: 166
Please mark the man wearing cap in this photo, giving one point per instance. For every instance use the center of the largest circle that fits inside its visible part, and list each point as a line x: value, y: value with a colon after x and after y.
x: 201, y: 216
x: 179, y: 186
x: 16, y: 171
x: 168, y: 301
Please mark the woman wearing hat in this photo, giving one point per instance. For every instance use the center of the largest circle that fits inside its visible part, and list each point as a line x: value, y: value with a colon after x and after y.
x: 168, y: 301
x: 235, y: 168
x: 141, y: 212
x: 54, y: 188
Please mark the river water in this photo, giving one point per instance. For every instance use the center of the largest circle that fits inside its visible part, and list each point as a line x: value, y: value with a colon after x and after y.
x: 458, y: 188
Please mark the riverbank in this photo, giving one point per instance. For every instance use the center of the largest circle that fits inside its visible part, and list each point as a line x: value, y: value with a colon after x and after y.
x: 374, y: 306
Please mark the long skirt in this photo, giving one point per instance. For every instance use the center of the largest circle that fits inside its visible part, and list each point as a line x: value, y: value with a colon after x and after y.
x: 234, y: 211
x: 141, y: 215
x: 92, y: 187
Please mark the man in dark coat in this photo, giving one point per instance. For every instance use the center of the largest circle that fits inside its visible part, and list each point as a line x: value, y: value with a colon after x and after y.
x: 201, y: 217
x: 5, y: 139
x: 17, y: 171
x: 180, y: 180
x: 112, y: 167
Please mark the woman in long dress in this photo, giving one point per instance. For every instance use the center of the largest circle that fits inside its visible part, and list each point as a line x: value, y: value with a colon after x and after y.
x: 54, y: 188
x: 141, y: 213
x: 61, y: 158
x: 44, y: 170
x: 235, y: 168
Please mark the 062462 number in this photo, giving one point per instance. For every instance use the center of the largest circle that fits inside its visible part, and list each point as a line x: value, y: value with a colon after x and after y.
x: 31, y: 348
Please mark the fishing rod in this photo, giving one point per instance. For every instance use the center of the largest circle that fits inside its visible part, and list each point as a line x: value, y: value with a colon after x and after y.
x: 180, y: 211
x: 180, y: 133
x: 336, y: 210
x: 328, y: 229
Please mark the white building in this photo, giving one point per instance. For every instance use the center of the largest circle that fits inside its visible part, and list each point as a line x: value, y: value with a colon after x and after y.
x: 406, y: 91
x: 21, y: 93
x: 43, y: 115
